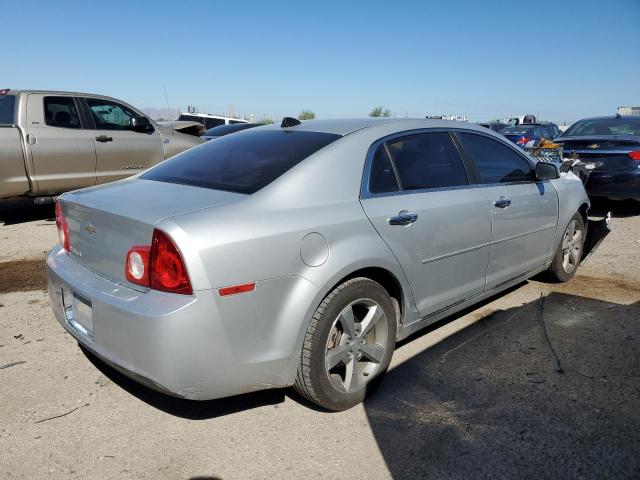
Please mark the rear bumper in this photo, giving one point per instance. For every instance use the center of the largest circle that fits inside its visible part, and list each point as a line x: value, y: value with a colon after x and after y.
x: 198, y: 347
x: 614, y: 184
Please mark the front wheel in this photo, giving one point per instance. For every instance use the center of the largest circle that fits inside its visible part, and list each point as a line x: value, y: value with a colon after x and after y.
x: 569, y: 253
x: 348, y: 344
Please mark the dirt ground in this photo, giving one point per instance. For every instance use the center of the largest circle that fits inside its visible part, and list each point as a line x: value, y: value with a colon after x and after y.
x: 513, y: 388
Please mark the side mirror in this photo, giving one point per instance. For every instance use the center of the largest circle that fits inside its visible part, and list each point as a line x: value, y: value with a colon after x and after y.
x: 546, y: 171
x: 140, y: 124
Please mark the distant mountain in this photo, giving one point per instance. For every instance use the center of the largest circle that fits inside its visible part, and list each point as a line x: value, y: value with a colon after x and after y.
x: 164, y: 113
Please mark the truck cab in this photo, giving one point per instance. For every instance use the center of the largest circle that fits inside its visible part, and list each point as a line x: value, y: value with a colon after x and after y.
x: 53, y: 142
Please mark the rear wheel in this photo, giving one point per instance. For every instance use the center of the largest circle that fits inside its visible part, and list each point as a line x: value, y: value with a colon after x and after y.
x: 569, y: 253
x: 348, y: 344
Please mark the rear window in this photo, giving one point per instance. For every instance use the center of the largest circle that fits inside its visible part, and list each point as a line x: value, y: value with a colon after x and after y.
x: 7, y: 104
x: 241, y: 163
x: 227, y: 129
x: 605, y: 126
x: 517, y: 130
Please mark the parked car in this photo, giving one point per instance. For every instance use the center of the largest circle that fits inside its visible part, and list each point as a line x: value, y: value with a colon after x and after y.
x: 612, y: 145
x: 299, y: 254
x: 208, y: 120
x: 494, y: 126
x: 551, y: 130
x: 53, y: 142
x: 525, y: 136
x: 222, y: 130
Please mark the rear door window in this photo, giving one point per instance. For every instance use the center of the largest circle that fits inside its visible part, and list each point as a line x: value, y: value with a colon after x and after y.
x: 495, y: 162
x: 427, y: 160
x: 7, y: 105
x: 382, y: 178
x: 241, y: 163
x: 61, y: 112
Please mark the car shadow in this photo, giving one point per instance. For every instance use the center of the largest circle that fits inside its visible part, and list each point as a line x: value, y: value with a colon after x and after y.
x: 17, y: 211
x: 183, y: 408
x: 543, y: 390
x: 618, y: 208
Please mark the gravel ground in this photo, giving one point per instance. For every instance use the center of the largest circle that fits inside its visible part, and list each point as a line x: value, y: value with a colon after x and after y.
x: 477, y: 396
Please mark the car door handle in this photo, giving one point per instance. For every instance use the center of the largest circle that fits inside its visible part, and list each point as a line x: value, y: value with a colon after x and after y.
x: 502, y: 202
x: 403, y: 218
x: 104, y: 139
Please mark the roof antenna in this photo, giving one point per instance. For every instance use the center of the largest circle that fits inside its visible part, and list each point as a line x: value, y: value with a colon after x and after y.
x: 289, y: 122
x: 166, y: 97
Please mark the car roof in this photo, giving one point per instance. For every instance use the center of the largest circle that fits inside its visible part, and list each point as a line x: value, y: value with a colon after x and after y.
x: 346, y: 126
x: 612, y: 117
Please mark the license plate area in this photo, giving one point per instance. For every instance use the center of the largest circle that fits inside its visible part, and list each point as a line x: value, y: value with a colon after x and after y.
x: 78, y: 312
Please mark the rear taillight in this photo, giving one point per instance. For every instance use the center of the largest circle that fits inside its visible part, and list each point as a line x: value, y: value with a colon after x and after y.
x: 159, y: 266
x: 138, y: 266
x: 634, y: 155
x: 523, y: 141
x: 63, y: 228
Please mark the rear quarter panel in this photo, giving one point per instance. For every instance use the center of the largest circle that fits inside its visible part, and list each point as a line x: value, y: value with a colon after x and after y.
x: 13, y: 177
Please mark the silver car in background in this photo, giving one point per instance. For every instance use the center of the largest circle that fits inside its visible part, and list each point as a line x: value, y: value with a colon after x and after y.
x: 298, y: 254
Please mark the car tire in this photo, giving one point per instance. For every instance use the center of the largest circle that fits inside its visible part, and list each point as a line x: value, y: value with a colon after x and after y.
x: 348, y: 345
x: 569, y: 253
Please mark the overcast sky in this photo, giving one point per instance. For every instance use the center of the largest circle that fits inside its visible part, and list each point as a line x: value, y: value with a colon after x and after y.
x: 486, y: 59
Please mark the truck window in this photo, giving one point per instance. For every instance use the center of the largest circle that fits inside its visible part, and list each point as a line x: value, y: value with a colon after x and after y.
x: 7, y: 104
x: 61, y: 112
x: 109, y: 115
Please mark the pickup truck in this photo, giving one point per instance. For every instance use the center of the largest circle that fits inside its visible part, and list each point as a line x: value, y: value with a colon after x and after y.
x: 53, y: 142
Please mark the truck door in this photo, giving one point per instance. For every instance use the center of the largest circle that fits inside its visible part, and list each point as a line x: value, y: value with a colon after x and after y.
x: 121, y: 151
x: 58, y: 146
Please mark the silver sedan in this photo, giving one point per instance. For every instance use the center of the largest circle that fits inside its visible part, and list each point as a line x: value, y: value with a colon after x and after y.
x: 298, y: 254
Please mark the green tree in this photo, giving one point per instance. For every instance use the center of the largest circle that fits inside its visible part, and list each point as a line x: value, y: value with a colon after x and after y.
x: 380, y: 112
x: 306, y: 115
x: 265, y: 121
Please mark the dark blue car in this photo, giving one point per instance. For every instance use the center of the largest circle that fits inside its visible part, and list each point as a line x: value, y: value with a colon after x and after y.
x: 525, y: 135
x: 613, y: 145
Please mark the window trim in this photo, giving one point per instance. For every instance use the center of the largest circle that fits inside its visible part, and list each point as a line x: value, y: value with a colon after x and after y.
x: 518, y: 151
x: 366, y: 176
x: 82, y: 126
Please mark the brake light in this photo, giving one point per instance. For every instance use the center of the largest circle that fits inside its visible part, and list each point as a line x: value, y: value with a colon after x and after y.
x: 634, y: 155
x: 168, y: 271
x: 4, y: 91
x: 63, y: 228
x: 523, y: 141
x: 159, y: 266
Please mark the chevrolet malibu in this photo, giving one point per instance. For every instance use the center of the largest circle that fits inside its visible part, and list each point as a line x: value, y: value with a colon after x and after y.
x: 298, y: 254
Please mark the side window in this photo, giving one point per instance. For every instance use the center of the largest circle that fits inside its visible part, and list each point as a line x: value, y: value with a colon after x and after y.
x: 382, y: 178
x: 61, y: 112
x: 427, y: 160
x: 109, y: 115
x: 495, y: 162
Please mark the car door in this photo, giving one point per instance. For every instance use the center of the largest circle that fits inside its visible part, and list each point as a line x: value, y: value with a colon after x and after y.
x: 59, y: 146
x: 524, y: 211
x: 418, y: 196
x: 121, y: 152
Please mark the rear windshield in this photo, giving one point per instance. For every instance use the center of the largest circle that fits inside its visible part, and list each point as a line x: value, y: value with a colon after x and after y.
x: 241, y: 163
x: 518, y: 130
x: 227, y: 129
x: 7, y: 102
x: 605, y: 126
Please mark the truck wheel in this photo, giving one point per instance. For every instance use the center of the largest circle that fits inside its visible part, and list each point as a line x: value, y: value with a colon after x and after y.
x: 348, y: 345
x: 567, y: 258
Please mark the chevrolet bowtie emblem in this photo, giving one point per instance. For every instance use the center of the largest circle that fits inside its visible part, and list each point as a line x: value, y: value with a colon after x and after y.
x: 90, y: 229
x: 593, y: 146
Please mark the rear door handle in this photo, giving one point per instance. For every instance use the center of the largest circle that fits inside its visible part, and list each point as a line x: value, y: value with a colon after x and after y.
x: 502, y: 202
x: 104, y: 139
x: 403, y: 218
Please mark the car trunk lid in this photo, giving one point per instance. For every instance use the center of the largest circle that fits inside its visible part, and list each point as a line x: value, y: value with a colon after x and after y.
x: 106, y: 221
x: 606, y: 152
